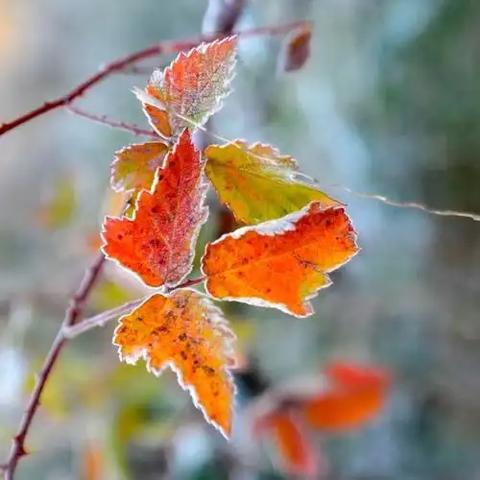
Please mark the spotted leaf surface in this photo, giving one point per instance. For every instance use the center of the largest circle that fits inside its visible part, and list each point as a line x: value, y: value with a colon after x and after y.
x: 134, y: 167
x: 258, y: 183
x: 157, y: 243
x: 187, y: 333
x: 281, y: 263
x: 191, y: 89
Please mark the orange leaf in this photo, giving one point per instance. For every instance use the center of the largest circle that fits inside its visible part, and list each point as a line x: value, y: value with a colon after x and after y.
x: 191, y: 89
x: 157, y: 118
x: 93, y: 462
x: 157, y: 243
x: 187, y: 333
x: 133, y: 167
x: 297, y: 49
x: 281, y: 263
x: 354, y: 396
x: 296, y: 450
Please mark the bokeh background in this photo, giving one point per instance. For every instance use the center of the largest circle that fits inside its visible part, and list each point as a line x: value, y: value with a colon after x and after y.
x: 389, y: 103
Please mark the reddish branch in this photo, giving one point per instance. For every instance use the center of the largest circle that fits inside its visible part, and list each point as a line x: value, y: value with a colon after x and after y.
x: 71, y: 317
x: 128, y: 61
x: 141, y: 69
x: 103, y: 318
x: 78, y: 91
x: 104, y: 120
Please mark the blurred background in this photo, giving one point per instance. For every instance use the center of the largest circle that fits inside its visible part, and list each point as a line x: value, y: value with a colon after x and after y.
x: 388, y: 103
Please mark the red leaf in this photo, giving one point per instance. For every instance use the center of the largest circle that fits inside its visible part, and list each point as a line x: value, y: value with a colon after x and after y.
x: 157, y: 243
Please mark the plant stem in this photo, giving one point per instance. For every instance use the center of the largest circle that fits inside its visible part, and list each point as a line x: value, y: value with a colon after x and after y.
x: 104, y: 120
x: 103, y: 318
x: 72, y: 314
x: 129, y: 60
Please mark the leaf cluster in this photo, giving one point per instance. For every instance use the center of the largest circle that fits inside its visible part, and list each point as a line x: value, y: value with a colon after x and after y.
x: 294, y: 234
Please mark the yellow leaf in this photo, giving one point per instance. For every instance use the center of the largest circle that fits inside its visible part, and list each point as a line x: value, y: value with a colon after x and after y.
x: 59, y: 209
x: 258, y: 183
x: 134, y: 166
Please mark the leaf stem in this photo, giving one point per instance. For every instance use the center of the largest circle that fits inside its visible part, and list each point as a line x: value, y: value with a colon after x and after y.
x: 127, y: 61
x: 103, y: 318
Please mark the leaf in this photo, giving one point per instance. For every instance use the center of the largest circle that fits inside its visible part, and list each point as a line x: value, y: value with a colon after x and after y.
x: 158, y: 118
x: 187, y: 333
x: 93, y: 462
x: 258, y: 183
x: 354, y: 396
x: 191, y: 89
x: 281, y: 263
x: 58, y: 211
x: 297, y: 452
x: 133, y: 167
x: 157, y: 243
x: 297, y: 49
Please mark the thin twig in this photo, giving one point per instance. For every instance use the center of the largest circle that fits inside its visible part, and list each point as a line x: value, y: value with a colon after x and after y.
x: 103, y: 318
x: 141, y: 69
x: 371, y: 196
x: 104, y: 120
x: 124, y: 62
x: 412, y: 205
x: 72, y: 314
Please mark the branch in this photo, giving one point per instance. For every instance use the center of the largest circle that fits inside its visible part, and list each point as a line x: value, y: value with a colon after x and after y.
x: 103, y: 318
x: 104, y: 120
x: 412, y: 205
x: 72, y: 314
x: 141, y: 69
x: 129, y: 60
x: 222, y: 15
x: 370, y: 196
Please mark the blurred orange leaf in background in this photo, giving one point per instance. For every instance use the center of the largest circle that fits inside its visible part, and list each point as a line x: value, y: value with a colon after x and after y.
x: 93, y: 462
x: 354, y: 395
x: 297, y: 452
x: 345, y: 397
x: 297, y: 49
